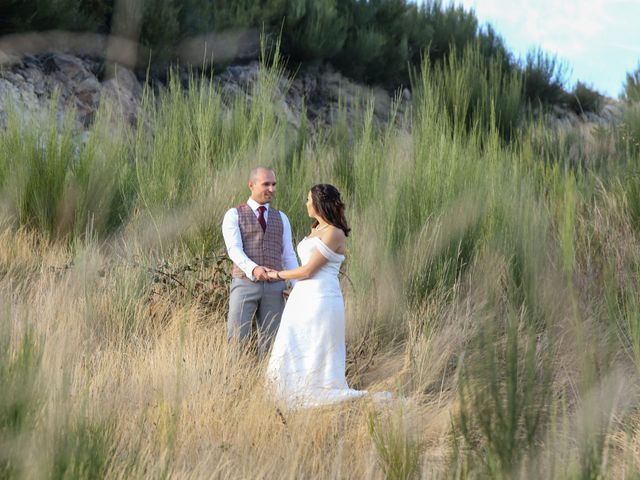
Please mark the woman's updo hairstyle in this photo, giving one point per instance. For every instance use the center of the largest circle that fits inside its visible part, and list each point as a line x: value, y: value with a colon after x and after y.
x: 327, y: 202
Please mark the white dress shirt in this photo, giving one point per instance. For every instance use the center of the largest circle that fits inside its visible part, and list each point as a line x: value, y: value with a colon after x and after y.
x: 233, y: 240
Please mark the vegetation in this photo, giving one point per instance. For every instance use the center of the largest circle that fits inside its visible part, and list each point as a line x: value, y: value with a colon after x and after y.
x: 492, y: 286
x: 584, y: 99
x: 380, y: 41
x: 631, y: 87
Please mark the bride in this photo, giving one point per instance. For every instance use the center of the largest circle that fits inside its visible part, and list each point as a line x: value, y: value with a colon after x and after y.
x: 307, y: 363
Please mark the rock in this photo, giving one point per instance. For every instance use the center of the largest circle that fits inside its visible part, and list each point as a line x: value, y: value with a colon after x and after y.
x: 319, y: 96
x: 125, y: 93
x: 30, y: 85
x: 22, y: 98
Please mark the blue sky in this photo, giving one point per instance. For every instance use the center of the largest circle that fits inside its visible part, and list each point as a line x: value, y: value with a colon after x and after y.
x: 599, y: 40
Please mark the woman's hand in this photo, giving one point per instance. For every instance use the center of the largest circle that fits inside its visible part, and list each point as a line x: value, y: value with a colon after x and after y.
x: 273, y: 275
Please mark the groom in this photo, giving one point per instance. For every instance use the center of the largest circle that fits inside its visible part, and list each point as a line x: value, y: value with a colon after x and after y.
x: 257, y: 237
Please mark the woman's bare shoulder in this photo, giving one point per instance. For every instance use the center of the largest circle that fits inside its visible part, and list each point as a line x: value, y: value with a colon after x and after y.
x: 334, y: 238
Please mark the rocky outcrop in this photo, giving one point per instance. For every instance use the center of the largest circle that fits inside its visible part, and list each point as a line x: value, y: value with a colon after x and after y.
x: 320, y: 96
x: 318, y: 99
x: 29, y: 87
x: 78, y: 83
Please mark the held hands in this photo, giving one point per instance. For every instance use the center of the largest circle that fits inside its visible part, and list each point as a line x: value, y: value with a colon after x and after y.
x: 265, y: 274
x: 273, y: 275
x: 260, y: 274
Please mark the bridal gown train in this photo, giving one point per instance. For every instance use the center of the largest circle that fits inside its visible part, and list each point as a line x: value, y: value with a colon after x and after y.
x: 307, y: 363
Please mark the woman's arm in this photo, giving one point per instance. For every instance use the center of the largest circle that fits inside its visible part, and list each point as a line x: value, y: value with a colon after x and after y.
x: 305, y: 271
x: 334, y: 239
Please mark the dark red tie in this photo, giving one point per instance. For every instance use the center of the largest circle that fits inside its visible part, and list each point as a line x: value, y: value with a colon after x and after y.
x: 261, y: 211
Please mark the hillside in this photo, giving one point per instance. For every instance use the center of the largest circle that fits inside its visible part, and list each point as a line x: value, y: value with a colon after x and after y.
x: 491, y: 281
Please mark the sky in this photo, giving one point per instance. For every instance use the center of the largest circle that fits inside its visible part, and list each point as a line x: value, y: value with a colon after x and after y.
x: 598, y: 40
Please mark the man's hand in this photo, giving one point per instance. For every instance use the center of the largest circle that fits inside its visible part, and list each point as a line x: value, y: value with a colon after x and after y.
x: 285, y: 293
x: 260, y: 274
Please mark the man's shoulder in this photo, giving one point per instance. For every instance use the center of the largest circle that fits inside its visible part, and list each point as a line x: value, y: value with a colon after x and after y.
x: 232, y: 212
x: 237, y: 208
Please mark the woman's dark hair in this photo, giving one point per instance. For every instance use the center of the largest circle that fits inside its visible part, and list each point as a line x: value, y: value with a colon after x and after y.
x: 327, y: 202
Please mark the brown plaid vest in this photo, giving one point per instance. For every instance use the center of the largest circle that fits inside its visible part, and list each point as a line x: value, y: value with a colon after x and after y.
x: 264, y: 248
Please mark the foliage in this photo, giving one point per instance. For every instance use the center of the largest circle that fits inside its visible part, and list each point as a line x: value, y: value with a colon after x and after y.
x: 38, y: 15
x: 475, y: 91
x: 492, y: 263
x: 398, y: 452
x: 631, y: 87
x: 82, y: 450
x: 584, y: 99
x: 20, y: 398
x: 373, y: 41
x: 60, y: 187
x: 160, y: 27
x: 312, y: 29
x: 629, y: 129
x: 544, y: 78
x: 504, y: 396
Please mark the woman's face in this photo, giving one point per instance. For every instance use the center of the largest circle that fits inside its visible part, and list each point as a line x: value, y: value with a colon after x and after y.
x: 310, y: 210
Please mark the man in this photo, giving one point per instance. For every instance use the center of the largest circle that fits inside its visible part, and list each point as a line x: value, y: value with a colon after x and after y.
x: 257, y: 236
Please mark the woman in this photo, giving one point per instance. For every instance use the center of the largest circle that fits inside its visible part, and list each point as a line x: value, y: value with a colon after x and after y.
x: 307, y: 364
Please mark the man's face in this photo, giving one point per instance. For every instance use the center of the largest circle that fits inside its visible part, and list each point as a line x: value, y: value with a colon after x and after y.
x: 263, y: 186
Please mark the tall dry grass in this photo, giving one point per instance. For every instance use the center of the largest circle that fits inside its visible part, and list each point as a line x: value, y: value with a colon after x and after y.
x: 490, y: 284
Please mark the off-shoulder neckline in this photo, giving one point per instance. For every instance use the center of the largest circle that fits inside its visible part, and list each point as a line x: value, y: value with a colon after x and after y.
x: 325, y: 245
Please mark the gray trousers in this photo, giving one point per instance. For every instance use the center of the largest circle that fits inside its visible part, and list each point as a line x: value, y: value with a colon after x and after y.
x: 262, y: 299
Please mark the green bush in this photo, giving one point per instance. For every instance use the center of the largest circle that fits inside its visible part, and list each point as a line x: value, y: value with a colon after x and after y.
x: 398, y: 452
x: 196, y: 17
x: 505, y: 386
x: 631, y: 87
x: 312, y: 30
x: 59, y: 185
x: 584, y: 99
x: 39, y: 15
x: 160, y: 27
x: 629, y: 129
x: 20, y: 396
x: 544, y: 78
x: 82, y: 450
x: 476, y: 91
x: 452, y: 27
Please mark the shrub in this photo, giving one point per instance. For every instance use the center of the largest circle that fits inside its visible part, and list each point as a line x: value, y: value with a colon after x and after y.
x: 398, y: 452
x: 630, y: 127
x: 453, y: 27
x: 82, y: 450
x: 313, y: 30
x: 631, y: 87
x: 38, y: 15
x: 59, y: 185
x: 544, y: 78
x: 160, y: 28
x: 195, y: 17
x: 20, y: 397
x: 476, y: 91
x: 505, y: 384
x: 584, y: 99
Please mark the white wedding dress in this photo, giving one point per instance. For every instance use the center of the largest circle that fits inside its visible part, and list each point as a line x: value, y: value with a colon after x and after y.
x: 307, y: 363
